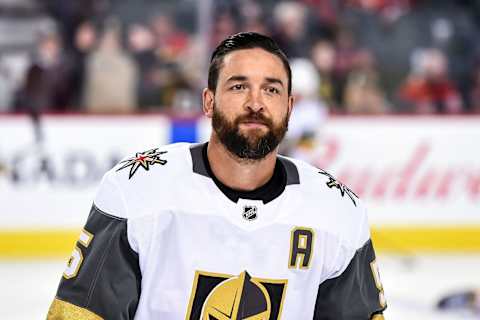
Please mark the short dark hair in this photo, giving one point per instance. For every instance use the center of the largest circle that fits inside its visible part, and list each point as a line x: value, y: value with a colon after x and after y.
x: 244, y: 40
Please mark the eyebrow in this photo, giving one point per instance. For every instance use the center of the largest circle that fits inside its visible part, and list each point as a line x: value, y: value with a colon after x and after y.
x: 244, y: 78
x: 274, y: 80
x: 237, y: 78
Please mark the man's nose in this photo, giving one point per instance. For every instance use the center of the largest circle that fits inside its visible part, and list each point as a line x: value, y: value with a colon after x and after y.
x: 255, y: 101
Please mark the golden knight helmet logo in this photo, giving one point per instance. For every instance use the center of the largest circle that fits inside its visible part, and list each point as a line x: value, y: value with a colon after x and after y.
x: 237, y: 298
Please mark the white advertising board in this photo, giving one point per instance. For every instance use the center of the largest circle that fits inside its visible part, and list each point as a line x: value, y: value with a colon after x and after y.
x: 420, y: 176
x: 52, y: 185
x: 409, y: 170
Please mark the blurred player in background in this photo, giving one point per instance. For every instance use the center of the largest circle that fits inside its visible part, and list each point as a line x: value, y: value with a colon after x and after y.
x: 468, y: 300
x: 227, y: 229
x: 310, y: 112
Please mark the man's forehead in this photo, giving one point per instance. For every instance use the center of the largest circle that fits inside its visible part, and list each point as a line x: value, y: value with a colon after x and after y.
x: 250, y: 61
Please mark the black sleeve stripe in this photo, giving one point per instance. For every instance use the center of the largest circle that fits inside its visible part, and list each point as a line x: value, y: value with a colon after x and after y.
x: 108, y: 281
x: 353, y: 294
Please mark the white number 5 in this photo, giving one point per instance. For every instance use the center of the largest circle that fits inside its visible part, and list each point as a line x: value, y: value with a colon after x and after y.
x: 76, y: 259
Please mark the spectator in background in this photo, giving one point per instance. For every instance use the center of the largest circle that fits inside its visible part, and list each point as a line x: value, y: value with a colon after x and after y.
x: 71, y: 14
x: 474, y: 94
x: 192, y: 66
x: 363, y: 94
x: 327, y: 11
x: 141, y: 43
x: 170, y: 41
x: 224, y: 25
x: 85, y: 40
x: 428, y: 88
x: 309, y: 113
x: 48, y: 85
x: 111, y: 75
x: 323, y: 17
x: 389, y: 10
x: 346, y: 50
x: 290, y: 20
x: 323, y: 57
x: 165, y: 78
x: 6, y: 88
x: 252, y: 16
x: 167, y: 53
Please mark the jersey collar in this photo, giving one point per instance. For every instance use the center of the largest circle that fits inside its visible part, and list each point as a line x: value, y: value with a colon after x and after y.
x: 285, y: 173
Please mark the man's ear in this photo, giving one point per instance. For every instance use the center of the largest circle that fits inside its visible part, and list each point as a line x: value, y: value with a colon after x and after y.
x: 291, y: 101
x: 208, y: 101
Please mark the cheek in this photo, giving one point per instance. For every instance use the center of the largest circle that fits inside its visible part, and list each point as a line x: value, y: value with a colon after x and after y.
x: 223, y: 110
x: 230, y: 105
x: 279, y: 109
x: 231, y: 100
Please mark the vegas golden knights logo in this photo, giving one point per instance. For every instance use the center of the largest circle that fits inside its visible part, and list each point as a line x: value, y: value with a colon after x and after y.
x: 226, y: 297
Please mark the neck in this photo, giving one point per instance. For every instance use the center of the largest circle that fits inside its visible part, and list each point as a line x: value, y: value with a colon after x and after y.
x: 237, y: 173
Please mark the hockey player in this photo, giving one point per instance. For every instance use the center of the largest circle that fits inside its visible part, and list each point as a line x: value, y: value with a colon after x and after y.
x: 226, y: 229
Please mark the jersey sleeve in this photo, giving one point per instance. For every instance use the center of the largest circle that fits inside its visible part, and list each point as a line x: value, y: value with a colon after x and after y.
x: 357, y: 292
x: 102, y: 279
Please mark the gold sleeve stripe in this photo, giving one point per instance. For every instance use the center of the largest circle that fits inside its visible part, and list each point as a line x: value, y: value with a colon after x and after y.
x: 62, y: 310
x: 378, y: 317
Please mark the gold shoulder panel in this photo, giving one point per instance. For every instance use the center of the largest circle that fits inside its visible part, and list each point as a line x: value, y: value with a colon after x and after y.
x: 378, y: 317
x: 62, y: 310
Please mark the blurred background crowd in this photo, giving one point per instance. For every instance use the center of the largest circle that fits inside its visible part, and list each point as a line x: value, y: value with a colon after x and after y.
x: 348, y: 56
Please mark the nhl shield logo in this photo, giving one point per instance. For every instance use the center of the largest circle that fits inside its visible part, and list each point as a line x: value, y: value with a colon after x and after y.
x: 249, y: 213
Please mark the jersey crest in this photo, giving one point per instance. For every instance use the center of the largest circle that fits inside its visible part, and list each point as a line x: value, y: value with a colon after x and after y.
x: 221, y: 296
x: 143, y: 159
x: 344, y: 190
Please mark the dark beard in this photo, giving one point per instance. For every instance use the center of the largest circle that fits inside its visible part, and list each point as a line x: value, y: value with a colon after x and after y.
x: 255, y: 146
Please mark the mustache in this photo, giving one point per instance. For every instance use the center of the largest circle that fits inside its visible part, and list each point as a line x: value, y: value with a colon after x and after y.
x: 257, y: 117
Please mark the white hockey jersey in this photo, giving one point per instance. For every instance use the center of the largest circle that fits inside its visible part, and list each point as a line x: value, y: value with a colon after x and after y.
x: 166, y: 240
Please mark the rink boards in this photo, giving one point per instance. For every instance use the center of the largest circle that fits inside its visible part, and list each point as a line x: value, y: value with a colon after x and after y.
x: 420, y: 177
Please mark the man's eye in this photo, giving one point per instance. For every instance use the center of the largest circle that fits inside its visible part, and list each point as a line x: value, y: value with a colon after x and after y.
x: 273, y: 90
x: 238, y: 87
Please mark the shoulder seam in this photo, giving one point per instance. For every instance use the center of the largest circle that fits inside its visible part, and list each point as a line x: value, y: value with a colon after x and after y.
x: 364, y: 244
x: 107, y: 214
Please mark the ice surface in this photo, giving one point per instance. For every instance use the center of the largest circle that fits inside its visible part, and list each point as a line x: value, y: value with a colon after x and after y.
x: 412, y: 285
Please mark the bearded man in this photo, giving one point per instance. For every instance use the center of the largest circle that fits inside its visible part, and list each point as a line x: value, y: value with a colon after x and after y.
x: 226, y: 229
